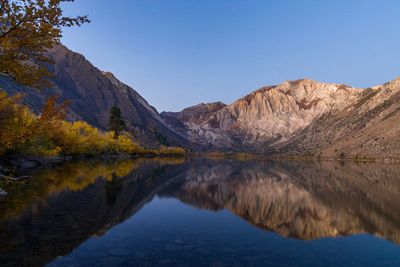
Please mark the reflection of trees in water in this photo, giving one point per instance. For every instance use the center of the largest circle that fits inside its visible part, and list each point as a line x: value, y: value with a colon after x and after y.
x: 112, y: 187
x: 65, y: 218
x: 71, y: 176
x: 69, y: 203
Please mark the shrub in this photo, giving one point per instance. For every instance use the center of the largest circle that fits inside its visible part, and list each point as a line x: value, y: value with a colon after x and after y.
x: 48, y: 134
x: 171, y: 151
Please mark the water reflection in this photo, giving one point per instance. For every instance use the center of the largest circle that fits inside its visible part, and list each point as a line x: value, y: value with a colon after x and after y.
x: 64, y: 206
x: 297, y: 199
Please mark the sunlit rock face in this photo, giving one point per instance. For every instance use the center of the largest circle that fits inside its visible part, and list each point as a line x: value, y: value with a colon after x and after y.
x: 302, y: 201
x: 267, y: 116
x: 366, y: 128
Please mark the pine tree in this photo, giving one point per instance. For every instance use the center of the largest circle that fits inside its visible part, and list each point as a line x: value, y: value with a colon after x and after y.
x: 116, y: 122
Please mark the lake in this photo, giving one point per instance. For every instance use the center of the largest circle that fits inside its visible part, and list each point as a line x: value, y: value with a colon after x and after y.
x: 203, y: 212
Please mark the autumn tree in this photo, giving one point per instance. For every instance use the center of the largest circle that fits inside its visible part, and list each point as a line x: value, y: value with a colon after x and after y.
x: 116, y: 122
x: 52, y: 110
x: 51, y: 117
x: 28, y: 28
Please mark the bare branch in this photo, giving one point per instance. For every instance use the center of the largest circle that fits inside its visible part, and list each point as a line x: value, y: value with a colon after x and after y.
x: 3, y: 4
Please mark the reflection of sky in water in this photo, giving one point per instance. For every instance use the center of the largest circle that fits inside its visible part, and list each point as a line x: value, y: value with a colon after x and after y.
x: 203, y: 213
x: 168, y: 232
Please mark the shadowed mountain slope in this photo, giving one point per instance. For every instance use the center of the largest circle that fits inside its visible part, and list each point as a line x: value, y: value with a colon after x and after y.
x: 92, y: 93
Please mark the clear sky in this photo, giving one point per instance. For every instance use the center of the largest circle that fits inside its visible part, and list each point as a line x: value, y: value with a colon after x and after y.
x: 177, y: 53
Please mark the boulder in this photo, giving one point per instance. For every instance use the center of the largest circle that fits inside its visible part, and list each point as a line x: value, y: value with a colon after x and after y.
x: 3, y: 193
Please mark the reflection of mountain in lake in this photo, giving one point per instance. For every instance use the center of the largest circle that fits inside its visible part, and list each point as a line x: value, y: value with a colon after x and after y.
x: 302, y: 200
x: 66, y: 205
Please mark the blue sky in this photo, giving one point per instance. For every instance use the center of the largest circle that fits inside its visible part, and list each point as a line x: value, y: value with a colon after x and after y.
x: 177, y: 53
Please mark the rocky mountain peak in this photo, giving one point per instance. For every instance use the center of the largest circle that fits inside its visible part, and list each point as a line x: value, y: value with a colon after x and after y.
x: 109, y: 75
x: 112, y: 78
x: 269, y: 115
x: 392, y: 85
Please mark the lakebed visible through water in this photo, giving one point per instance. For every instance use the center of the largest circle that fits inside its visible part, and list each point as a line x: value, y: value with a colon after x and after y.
x: 203, y: 212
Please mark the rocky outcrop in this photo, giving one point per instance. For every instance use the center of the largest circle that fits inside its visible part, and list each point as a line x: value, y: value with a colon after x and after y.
x: 190, y: 117
x: 92, y: 93
x: 3, y: 193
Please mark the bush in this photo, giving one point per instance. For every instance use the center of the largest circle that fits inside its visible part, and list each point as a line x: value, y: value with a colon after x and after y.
x: 171, y: 151
x: 48, y: 134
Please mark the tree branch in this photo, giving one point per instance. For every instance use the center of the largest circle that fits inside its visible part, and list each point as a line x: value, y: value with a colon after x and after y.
x: 3, y: 3
x: 16, y: 26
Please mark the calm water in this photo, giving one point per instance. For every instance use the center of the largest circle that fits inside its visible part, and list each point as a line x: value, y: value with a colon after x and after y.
x: 203, y: 213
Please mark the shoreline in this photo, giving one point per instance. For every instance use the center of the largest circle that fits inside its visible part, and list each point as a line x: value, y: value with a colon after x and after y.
x: 21, y: 163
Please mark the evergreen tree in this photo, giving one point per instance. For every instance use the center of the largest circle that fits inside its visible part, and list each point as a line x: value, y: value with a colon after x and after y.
x: 116, y: 122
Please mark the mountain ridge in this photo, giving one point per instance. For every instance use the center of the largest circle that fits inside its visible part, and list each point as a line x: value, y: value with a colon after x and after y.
x: 292, y: 118
x: 273, y: 111
x: 300, y: 117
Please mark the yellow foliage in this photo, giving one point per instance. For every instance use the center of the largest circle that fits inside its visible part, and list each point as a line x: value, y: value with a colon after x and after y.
x: 125, y: 144
x: 48, y: 134
x: 79, y: 138
x: 171, y: 151
x: 17, y: 123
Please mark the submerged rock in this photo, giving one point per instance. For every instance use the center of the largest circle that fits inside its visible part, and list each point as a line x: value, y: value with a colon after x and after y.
x: 19, y: 178
x: 120, y: 252
x: 23, y: 163
x: 3, y: 193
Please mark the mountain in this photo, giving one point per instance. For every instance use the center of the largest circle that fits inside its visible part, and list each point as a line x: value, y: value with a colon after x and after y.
x: 266, y: 117
x: 300, y: 117
x: 92, y: 93
x: 191, y: 117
